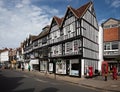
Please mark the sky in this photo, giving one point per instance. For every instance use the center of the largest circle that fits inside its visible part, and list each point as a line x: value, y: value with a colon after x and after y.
x: 21, y: 18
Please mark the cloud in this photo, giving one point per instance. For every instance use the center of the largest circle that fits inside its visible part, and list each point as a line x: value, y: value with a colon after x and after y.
x: 116, y: 3
x: 113, y: 3
x: 21, y: 18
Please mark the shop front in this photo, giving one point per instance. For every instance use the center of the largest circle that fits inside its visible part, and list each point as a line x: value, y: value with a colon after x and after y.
x: 43, y: 65
x: 74, y: 67
x: 33, y: 64
x: 61, y: 67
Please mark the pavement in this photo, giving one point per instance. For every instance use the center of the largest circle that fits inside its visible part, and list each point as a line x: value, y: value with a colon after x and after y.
x: 96, y: 82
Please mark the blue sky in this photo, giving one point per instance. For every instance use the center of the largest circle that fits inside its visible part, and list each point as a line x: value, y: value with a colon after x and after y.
x: 20, y: 18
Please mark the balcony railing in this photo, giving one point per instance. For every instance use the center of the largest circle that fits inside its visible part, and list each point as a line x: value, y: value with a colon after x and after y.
x: 111, y: 52
x: 78, y: 52
x: 61, y: 38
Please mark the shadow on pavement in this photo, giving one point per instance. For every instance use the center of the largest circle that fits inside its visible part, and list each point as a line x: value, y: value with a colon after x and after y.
x: 51, y: 89
x: 9, y: 84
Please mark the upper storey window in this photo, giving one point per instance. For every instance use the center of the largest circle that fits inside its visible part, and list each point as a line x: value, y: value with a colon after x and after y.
x: 114, y: 45
x: 69, y: 14
x: 114, y: 25
x: 54, y: 23
x: 110, y: 26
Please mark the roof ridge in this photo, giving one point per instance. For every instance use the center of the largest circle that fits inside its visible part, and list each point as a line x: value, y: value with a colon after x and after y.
x: 81, y: 10
x: 58, y: 20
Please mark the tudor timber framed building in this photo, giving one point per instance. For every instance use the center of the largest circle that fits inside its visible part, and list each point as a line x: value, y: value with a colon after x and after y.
x: 70, y: 43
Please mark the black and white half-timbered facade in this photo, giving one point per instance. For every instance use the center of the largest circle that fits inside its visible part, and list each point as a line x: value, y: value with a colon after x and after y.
x: 40, y: 49
x: 29, y: 58
x: 71, y: 42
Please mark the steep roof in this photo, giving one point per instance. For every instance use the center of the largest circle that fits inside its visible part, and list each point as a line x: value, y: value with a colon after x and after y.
x: 81, y: 10
x: 78, y: 13
x: 3, y: 50
x: 43, y: 33
x: 58, y: 20
x: 32, y: 37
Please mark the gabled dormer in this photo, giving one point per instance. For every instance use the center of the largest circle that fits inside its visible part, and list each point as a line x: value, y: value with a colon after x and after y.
x: 68, y: 24
x: 89, y: 15
x: 55, y: 24
x: 55, y: 29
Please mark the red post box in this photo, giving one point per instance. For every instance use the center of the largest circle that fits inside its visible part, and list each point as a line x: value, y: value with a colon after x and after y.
x: 90, y: 71
x: 104, y: 68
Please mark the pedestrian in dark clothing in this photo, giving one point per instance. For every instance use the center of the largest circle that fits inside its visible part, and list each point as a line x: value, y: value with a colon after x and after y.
x: 22, y: 67
x: 29, y: 67
x: 105, y: 76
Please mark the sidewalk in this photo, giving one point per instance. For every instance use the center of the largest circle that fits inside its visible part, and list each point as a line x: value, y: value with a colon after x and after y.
x: 97, y: 83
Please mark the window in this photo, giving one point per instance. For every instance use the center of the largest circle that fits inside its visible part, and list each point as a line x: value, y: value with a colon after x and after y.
x: 54, y: 23
x: 114, y: 45
x: 107, y: 46
x: 75, y: 45
x: 108, y: 26
x: 114, y: 25
x: 67, y: 47
x: 70, y: 14
x: 71, y: 28
x: 44, y: 40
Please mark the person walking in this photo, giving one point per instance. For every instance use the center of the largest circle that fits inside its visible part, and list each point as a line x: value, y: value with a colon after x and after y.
x: 22, y: 67
x: 29, y: 67
x: 105, y: 75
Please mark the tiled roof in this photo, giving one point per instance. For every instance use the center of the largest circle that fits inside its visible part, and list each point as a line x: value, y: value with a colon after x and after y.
x: 58, y: 20
x: 32, y: 37
x: 19, y: 49
x: 80, y: 11
x: 77, y: 13
x: 3, y: 50
x: 43, y: 33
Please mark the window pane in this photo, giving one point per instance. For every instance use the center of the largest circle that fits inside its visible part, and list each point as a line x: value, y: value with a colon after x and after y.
x: 115, y: 46
x: 107, y: 46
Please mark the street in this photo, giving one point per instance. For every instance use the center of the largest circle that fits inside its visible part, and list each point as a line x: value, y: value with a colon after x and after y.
x: 14, y: 81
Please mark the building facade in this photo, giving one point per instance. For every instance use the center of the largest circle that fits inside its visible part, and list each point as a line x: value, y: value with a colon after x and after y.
x: 40, y: 49
x: 111, y: 39
x: 28, y: 54
x: 69, y: 45
x: 4, y: 57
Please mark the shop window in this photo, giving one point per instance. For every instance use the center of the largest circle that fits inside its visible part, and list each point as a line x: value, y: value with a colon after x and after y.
x: 75, y: 66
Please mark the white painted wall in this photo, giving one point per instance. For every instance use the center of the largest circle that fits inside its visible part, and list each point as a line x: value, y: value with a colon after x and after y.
x: 82, y: 67
x: 4, y: 56
x: 100, y: 48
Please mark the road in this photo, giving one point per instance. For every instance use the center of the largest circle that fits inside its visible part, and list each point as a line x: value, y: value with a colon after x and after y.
x: 14, y: 81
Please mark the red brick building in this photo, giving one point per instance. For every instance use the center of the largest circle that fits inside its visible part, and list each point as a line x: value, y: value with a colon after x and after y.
x: 111, y: 39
